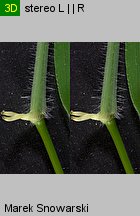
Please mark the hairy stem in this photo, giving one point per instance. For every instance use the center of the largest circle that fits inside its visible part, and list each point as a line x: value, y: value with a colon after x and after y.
x: 38, y: 103
x: 38, y: 96
x: 109, y: 90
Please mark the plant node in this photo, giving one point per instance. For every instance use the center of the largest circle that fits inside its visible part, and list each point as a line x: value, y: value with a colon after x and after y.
x: 82, y: 116
x: 13, y: 116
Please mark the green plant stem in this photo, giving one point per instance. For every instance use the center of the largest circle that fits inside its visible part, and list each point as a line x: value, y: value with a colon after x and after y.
x: 114, y: 132
x: 38, y: 103
x: 109, y: 90
x: 43, y: 131
x: 38, y: 96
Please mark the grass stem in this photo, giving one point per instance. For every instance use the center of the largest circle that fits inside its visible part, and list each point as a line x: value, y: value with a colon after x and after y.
x: 115, y: 134
x: 109, y: 90
x: 43, y: 131
x: 38, y: 95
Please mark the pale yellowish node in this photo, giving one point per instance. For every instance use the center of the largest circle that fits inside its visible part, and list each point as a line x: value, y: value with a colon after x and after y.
x: 13, y: 116
x: 83, y: 116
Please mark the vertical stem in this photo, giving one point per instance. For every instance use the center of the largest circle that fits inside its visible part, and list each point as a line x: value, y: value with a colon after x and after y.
x: 38, y: 96
x: 109, y: 90
x: 43, y: 131
x: 114, y: 132
x: 38, y: 102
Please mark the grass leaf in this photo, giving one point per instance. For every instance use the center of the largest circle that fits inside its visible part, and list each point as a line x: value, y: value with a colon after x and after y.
x: 132, y: 56
x: 62, y: 70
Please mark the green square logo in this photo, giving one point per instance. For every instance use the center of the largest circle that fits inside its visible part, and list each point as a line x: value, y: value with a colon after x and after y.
x: 9, y: 7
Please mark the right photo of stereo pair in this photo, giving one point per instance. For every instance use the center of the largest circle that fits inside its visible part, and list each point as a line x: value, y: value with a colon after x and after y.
x: 105, y: 108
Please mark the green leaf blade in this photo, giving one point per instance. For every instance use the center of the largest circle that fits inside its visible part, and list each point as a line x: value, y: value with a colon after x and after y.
x: 132, y: 56
x: 62, y: 70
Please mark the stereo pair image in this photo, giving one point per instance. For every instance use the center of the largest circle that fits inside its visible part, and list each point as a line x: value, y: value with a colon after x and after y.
x: 69, y: 108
